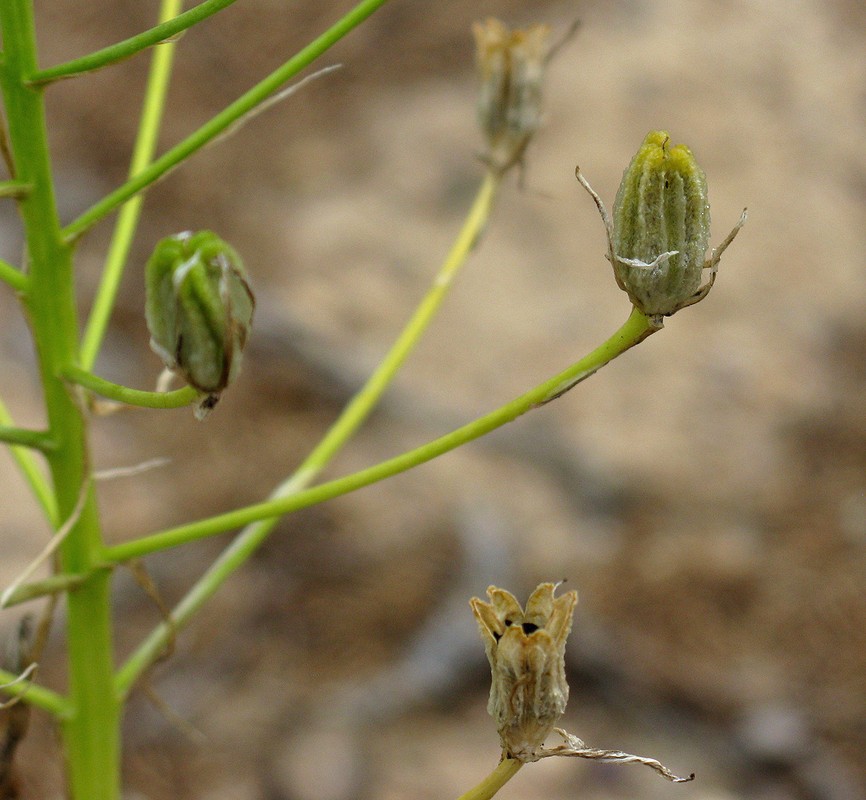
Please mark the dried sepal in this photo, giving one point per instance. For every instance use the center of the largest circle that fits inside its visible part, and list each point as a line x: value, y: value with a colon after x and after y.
x: 526, y: 650
x: 199, y: 309
x: 511, y: 66
x: 576, y: 748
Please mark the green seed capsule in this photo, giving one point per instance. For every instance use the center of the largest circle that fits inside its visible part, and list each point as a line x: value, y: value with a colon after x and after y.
x: 661, y: 227
x: 199, y: 309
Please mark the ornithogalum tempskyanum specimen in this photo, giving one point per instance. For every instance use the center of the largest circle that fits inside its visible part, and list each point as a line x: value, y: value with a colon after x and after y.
x: 199, y: 309
x: 658, y: 238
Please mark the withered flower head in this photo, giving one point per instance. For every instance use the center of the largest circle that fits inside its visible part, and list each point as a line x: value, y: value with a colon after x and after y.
x: 526, y: 650
x: 511, y: 66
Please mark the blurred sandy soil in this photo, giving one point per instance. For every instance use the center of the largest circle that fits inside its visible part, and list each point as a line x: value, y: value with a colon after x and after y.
x: 706, y: 493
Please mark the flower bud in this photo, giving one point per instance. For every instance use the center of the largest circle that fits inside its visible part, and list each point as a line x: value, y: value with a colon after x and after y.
x: 511, y: 66
x: 661, y: 226
x: 199, y: 308
x: 526, y: 650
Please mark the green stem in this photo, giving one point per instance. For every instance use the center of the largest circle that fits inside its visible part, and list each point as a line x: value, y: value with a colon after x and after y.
x: 358, y: 409
x: 132, y: 397
x: 31, y: 591
x: 127, y: 220
x: 636, y: 328
x: 38, y: 440
x: 32, y: 473
x: 14, y: 277
x: 362, y: 403
x: 503, y: 773
x: 14, y: 188
x: 129, y: 47
x: 222, y: 121
x: 35, y: 695
x: 91, y: 731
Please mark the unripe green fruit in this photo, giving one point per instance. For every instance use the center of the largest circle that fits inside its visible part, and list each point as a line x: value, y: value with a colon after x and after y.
x: 661, y: 227
x: 199, y: 309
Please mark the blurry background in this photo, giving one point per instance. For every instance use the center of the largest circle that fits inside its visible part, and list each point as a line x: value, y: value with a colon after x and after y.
x: 705, y: 493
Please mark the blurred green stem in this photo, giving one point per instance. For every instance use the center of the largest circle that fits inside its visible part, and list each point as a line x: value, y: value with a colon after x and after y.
x: 129, y: 47
x: 47, y: 586
x: 127, y: 220
x: 34, y: 694
x: 22, y: 437
x: 32, y: 473
x: 14, y: 277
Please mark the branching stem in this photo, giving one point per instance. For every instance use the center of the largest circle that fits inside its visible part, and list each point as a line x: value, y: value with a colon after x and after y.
x: 227, y: 117
x: 132, y: 397
x: 633, y: 331
x: 129, y: 47
x: 36, y: 695
x: 38, y: 440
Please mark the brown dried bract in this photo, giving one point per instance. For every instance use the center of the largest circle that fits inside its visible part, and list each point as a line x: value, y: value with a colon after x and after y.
x: 526, y: 650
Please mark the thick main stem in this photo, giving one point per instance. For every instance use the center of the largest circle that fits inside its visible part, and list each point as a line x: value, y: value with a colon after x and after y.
x: 91, y: 729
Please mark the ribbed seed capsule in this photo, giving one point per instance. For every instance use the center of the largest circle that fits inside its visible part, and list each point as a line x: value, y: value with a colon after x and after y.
x: 199, y: 309
x: 661, y: 226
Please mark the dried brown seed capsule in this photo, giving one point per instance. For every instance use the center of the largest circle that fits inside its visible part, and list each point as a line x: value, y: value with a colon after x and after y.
x: 526, y: 650
x: 511, y: 66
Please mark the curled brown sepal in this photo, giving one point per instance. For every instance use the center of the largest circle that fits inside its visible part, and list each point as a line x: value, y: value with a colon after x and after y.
x: 576, y: 748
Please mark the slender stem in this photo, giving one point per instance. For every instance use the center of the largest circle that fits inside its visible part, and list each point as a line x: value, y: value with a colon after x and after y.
x: 91, y: 732
x: 127, y: 220
x: 38, y: 440
x: 14, y: 188
x: 35, y: 695
x: 222, y: 121
x: 358, y: 409
x: 47, y: 586
x: 129, y: 47
x: 32, y: 473
x: 633, y: 331
x: 13, y: 276
x: 132, y: 397
x: 363, y: 402
x: 503, y: 773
